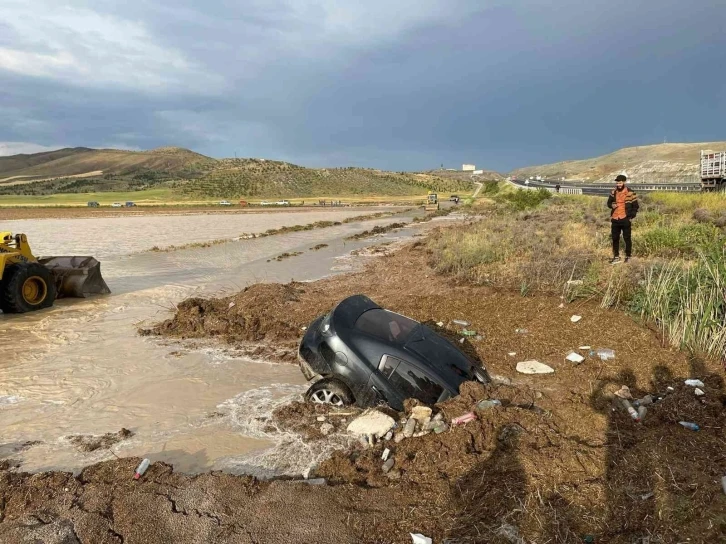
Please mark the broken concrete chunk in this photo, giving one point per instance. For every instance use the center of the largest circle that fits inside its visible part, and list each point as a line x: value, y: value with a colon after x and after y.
x: 420, y: 413
x: 371, y: 422
x: 534, y: 367
x: 575, y: 358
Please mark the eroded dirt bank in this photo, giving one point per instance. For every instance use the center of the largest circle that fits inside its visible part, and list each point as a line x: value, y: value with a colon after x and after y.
x: 554, y: 463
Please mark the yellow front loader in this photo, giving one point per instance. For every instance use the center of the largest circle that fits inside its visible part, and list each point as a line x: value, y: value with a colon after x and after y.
x: 432, y: 202
x: 28, y: 283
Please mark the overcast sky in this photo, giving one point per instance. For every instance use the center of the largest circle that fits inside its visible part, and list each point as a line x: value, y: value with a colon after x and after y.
x: 394, y: 84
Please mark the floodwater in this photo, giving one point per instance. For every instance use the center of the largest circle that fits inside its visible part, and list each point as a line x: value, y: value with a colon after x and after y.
x: 81, y: 368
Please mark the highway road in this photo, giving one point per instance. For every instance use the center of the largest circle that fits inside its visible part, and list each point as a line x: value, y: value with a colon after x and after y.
x: 604, y: 189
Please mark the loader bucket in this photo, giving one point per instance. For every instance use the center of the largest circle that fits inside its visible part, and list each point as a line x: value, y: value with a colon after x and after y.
x: 76, y: 276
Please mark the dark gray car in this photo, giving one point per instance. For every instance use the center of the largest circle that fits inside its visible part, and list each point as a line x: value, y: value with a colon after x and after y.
x: 362, y: 354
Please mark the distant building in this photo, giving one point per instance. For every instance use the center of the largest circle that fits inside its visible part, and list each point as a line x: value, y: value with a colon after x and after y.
x: 468, y: 167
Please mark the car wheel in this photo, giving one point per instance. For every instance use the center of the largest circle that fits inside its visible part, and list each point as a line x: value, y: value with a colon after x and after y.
x: 330, y: 391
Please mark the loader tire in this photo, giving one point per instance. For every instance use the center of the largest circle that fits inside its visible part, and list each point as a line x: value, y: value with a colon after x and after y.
x: 27, y: 287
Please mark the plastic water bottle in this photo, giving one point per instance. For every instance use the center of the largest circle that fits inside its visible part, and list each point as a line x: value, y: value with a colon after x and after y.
x: 629, y: 407
x: 690, y: 426
x: 141, y: 469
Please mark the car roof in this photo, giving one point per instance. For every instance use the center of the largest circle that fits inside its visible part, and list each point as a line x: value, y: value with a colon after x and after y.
x: 348, y: 310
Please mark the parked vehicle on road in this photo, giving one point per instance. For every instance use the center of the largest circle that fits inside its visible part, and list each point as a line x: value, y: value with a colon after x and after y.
x: 713, y: 171
x: 117, y: 205
x: 362, y: 354
x: 282, y: 203
x: 130, y: 204
x: 225, y: 203
x: 93, y: 204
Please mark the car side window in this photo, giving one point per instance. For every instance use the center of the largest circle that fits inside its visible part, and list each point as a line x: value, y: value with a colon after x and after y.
x: 410, y: 381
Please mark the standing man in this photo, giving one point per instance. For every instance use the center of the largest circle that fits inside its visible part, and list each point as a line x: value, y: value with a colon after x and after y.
x: 623, y: 205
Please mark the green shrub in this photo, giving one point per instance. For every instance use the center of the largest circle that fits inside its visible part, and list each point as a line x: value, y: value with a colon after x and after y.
x: 677, y: 240
x: 525, y: 200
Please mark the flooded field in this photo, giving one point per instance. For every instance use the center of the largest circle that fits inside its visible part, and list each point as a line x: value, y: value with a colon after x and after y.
x: 81, y: 368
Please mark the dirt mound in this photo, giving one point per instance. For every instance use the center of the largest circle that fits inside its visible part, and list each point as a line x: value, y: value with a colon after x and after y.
x: 89, y: 442
x: 313, y: 421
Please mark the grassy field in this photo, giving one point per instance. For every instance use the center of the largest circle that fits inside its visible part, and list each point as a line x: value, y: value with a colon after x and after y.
x: 533, y: 241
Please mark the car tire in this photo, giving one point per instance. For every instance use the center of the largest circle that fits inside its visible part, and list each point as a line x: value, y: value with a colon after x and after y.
x: 330, y: 391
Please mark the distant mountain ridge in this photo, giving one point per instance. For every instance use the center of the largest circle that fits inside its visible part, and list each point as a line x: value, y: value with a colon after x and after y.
x: 647, y: 163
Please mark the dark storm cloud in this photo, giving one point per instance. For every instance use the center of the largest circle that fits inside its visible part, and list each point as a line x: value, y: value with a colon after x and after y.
x: 402, y: 86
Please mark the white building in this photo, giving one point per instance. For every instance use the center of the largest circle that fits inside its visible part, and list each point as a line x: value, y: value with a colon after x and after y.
x: 468, y: 167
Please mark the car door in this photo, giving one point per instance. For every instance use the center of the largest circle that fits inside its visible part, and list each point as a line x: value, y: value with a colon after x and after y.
x: 411, y: 381
x: 380, y: 390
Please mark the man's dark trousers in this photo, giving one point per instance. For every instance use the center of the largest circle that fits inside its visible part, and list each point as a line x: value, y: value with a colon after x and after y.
x: 617, y: 227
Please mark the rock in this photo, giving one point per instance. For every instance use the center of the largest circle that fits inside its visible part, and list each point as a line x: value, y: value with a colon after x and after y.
x: 575, y: 358
x: 418, y: 538
x: 394, y: 474
x: 575, y: 318
x: 314, y: 481
x: 562, y: 305
x: 585, y: 348
x: 371, y: 422
x: 398, y: 437
x: 420, y: 413
x: 321, y: 418
x: 440, y: 324
x: 695, y: 383
x: 501, y: 380
x: 512, y: 353
x: 388, y: 465
x: 534, y: 367
x: 326, y: 429
x: 699, y: 392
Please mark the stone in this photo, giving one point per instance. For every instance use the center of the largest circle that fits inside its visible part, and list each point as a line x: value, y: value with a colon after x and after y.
x: 699, y: 392
x: 420, y: 413
x: 534, y: 367
x: 371, y: 422
x: 575, y: 318
x: 326, y: 429
x: 321, y: 418
x: 501, y: 380
x: 575, y: 358
x: 388, y: 465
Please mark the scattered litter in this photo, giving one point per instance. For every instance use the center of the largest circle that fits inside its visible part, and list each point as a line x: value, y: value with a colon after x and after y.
x: 326, y: 429
x: 462, y: 340
x: 371, y: 422
x: 321, y: 418
x: 502, y: 380
x: 646, y: 496
x: 388, y: 435
x: 574, y: 282
x: 521, y: 331
x: 418, y: 538
x: 588, y: 539
x: 575, y: 318
x: 624, y: 393
x: 231, y: 305
x: 690, y: 426
x: 575, y: 358
x: 585, y: 348
x: 534, y: 367
x: 468, y: 333
x: 645, y: 401
x: 303, y: 328
x: 670, y: 388
x: 388, y: 465
x: 699, y: 392
x: 486, y: 404
x: 642, y: 410
x: 385, y: 454
x: 409, y: 428
x: 313, y: 481
x: 461, y: 322
x: 420, y: 412
x: 695, y: 383
x: 440, y: 324
x: 604, y: 354
x: 629, y: 407
x: 512, y: 353
x: 466, y: 418
x: 562, y: 305
x: 478, y: 338
x: 440, y: 427
x: 139, y: 472
x: 723, y: 483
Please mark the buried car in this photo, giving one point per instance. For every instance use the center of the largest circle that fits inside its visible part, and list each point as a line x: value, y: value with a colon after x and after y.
x: 362, y: 354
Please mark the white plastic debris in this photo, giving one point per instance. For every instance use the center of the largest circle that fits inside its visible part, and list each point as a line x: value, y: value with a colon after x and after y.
x: 231, y: 305
x: 574, y: 282
x: 575, y: 318
x: 624, y: 393
x: 321, y: 418
x: 512, y: 353
x: 385, y: 454
x: 534, y: 367
x: 585, y: 348
x: 575, y: 358
x: 605, y: 354
x: 723, y: 483
x: 699, y: 392
x: 371, y: 422
x: 461, y: 322
x: 562, y: 305
x: 695, y: 383
x: 418, y: 538
x: 461, y: 341
x: 440, y: 324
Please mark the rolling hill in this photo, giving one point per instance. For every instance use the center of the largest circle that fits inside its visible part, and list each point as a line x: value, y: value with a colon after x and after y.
x: 190, y: 175
x: 648, y: 163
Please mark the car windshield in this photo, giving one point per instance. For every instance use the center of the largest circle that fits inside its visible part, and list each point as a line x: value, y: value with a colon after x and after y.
x: 386, y: 325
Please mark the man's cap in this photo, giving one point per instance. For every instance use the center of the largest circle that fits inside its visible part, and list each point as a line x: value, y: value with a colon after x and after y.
x: 621, y: 177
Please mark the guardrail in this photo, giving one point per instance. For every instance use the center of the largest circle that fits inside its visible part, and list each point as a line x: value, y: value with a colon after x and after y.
x: 563, y: 190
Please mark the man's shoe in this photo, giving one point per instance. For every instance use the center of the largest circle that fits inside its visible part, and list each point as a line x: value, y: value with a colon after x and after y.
x: 627, y: 260
x: 615, y: 260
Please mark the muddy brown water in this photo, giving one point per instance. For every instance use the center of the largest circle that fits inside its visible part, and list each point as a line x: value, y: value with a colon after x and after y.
x: 80, y: 367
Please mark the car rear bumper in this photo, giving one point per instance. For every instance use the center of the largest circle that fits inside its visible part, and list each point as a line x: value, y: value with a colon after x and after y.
x: 311, y: 362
